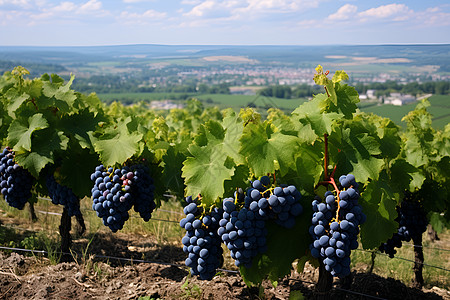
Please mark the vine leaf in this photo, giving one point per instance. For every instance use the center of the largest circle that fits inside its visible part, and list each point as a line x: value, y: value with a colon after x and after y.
x: 210, y: 163
x: 78, y: 125
x: 42, y: 150
x: 310, y: 113
x: 358, y: 155
x: 379, y: 202
x: 206, y: 170
x: 264, y: 147
x: 62, y: 96
x: 16, y: 102
x: 308, y: 167
x: 75, y: 178
x: 117, y: 144
x: 21, y: 130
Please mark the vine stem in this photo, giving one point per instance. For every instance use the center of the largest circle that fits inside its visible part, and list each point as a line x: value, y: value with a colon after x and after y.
x: 326, y: 157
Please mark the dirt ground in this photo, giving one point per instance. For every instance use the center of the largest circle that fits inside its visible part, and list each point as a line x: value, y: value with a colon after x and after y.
x: 33, y: 277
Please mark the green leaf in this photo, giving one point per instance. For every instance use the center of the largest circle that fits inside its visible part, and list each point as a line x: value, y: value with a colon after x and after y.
x: 233, y: 131
x: 310, y: 113
x: 347, y: 97
x: 308, y: 168
x: 16, y: 102
x: 63, y: 96
x: 21, y: 130
x: 378, y: 202
x: 78, y: 178
x: 78, y: 125
x: 358, y: 154
x: 339, y: 76
x: 43, y: 148
x: 402, y: 173
x: 296, y: 295
x: 264, y: 147
x: 390, y: 143
x: 117, y: 144
x: 172, y: 176
x: 438, y: 222
x: 210, y: 133
x: 206, y: 170
x: 118, y: 149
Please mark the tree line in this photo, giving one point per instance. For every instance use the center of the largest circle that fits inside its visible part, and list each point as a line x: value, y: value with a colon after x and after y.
x: 381, y: 89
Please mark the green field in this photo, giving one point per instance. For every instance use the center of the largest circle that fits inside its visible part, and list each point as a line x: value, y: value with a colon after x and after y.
x: 440, y: 104
x: 220, y: 100
x: 440, y: 109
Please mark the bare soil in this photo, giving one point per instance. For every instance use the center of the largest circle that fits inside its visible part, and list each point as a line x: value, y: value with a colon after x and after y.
x: 164, y: 276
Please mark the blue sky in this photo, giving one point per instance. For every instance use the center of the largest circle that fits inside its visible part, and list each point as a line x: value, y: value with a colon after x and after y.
x: 214, y: 22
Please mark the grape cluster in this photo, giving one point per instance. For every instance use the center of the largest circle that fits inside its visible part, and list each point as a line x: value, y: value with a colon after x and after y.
x: 201, y: 242
x: 63, y: 195
x: 142, y: 189
x: 16, y: 182
x: 412, y: 223
x: 115, y: 192
x: 244, y: 230
x: 279, y: 203
x: 335, y: 227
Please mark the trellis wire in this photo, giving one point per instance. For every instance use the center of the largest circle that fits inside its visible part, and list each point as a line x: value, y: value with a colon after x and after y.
x: 406, y: 259
x: 85, y: 210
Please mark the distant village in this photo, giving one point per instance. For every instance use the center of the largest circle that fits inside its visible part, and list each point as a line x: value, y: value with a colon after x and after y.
x: 397, y: 99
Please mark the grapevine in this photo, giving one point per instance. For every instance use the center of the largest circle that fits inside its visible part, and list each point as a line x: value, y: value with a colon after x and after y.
x: 212, y: 153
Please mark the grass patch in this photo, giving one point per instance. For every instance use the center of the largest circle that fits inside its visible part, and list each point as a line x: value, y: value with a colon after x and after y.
x: 402, y: 270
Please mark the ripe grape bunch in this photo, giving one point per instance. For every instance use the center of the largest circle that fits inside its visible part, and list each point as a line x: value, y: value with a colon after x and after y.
x: 115, y: 192
x: 278, y: 203
x: 201, y: 242
x: 16, y: 182
x: 335, y: 227
x: 63, y: 195
x: 243, y: 226
x: 412, y: 223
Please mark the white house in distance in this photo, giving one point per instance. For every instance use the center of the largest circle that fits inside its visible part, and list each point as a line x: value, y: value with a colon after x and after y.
x: 369, y: 95
x: 399, y: 99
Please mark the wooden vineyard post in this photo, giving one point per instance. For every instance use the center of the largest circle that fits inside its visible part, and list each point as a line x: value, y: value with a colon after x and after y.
x: 418, y: 262
x: 66, y: 239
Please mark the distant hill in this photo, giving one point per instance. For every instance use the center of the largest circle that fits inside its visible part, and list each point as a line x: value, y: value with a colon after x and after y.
x: 418, y: 55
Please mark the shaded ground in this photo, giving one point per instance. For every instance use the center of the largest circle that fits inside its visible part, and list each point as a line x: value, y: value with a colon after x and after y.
x: 33, y: 277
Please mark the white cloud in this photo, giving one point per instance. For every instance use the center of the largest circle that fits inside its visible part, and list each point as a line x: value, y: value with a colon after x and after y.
x: 434, y: 16
x: 191, y: 2
x: 41, y: 11
x: 344, y: 13
x: 90, y: 6
x: 222, y: 12
x: 22, y: 3
x: 147, y: 17
x: 394, y: 11
x: 64, y: 7
x: 280, y: 5
x: 136, y: 1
